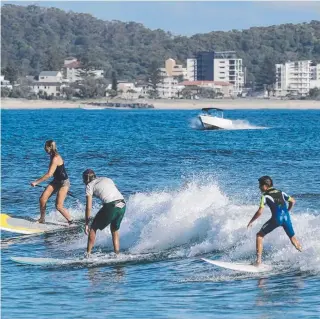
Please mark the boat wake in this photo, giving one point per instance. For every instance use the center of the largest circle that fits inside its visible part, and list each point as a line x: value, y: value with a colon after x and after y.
x: 195, y: 123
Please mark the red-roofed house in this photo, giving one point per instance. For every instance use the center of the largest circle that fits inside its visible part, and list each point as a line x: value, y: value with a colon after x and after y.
x: 225, y: 88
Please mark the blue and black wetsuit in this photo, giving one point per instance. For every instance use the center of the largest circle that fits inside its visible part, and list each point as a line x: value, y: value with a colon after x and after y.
x: 276, y: 200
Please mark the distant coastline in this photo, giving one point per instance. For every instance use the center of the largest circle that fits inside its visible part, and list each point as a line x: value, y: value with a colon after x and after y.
x: 254, y: 104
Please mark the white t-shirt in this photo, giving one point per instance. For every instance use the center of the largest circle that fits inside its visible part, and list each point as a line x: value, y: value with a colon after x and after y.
x: 104, y: 189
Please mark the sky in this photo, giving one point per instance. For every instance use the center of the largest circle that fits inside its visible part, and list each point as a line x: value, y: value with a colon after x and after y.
x: 191, y: 17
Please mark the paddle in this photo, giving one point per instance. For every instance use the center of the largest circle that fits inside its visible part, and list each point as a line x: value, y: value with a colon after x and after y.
x: 69, y: 193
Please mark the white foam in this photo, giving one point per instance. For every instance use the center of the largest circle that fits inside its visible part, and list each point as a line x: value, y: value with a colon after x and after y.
x: 244, y: 125
x: 195, y: 123
x: 200, y: 219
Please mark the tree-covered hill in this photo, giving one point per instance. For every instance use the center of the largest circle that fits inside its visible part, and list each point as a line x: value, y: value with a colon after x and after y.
x: 35, y: 38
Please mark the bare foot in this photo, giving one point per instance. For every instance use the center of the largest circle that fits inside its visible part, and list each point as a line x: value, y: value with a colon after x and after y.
x: 70, y: 222
x: 257, y: 263
x: 41, y: 221
x: 299, y: 248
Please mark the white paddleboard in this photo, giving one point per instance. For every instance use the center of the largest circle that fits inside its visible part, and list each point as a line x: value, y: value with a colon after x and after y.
x: 26, y: 227
x: 40, y: 261
x: 97, y: 259
x: 36, y: 261
x: 239, y: 266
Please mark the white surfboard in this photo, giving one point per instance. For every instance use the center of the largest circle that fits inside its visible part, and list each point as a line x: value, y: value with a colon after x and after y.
x: 26, y: 227
x: 239, y: 266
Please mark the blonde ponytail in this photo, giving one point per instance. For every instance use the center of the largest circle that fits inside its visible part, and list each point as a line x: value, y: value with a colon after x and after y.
x: 51, y: 148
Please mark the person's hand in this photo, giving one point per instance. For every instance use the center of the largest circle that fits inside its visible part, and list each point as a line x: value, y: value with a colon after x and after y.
x: 33, y: 184
x: 86, y: 230
x: 249, y: 225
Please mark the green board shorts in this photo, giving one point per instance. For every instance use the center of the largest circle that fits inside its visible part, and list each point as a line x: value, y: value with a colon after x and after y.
x: 110, y: 213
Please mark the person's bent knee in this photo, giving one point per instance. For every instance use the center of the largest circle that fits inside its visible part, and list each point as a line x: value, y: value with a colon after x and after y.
x: 59, y: 207
x: 113, y: 228
x: 260, y: 234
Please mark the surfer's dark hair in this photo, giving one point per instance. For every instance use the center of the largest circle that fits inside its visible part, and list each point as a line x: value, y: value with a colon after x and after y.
x: 88, y: 176
x: 266, y: 180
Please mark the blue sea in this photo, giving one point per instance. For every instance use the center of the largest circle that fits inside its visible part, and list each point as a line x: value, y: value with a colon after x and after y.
x: 190, y: 194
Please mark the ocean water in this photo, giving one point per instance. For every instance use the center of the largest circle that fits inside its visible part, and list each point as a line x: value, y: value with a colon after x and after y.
x: 190, y: 194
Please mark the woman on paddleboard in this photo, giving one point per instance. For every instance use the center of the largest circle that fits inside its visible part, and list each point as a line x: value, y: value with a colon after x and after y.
x: 60, y: 183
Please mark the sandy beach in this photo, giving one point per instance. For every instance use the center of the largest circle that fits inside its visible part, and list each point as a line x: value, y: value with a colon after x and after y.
x: 230, y: 104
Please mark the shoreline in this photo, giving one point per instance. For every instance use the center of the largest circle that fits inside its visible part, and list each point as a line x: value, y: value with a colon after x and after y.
x: 227, y: 104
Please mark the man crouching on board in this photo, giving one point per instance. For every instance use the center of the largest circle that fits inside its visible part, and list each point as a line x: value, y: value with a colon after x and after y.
x: 276, y: 200
x: 112, y: 211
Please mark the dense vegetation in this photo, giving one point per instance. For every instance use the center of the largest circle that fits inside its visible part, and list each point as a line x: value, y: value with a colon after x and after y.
x: 36, y: 38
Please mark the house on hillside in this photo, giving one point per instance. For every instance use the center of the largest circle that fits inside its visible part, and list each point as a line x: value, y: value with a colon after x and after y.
x: 50, y: 76
x: 50, y: 83
x: 73, y: 72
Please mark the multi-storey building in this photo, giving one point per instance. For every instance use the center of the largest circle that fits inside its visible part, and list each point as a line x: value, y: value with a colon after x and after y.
x: 169, y: 87
x: 296, y: 78
x: 191, y: 69
x: 217, y: 66
x: 315, y: 76
x: 172, y: 69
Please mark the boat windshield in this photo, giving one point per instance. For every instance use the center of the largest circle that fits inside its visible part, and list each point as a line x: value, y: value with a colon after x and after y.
x: 213, y: 111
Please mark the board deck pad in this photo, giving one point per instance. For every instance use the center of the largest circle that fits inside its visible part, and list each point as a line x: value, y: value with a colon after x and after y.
x: 239, y: 266
x: 27, y: 227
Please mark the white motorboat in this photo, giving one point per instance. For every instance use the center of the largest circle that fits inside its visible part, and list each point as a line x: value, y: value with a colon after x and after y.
x: 214, y: 120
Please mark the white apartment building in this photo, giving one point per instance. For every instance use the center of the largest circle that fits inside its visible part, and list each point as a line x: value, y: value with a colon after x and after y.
x: 169, y: 88
x: 229, y: 70
x: 191, y: 69
x: 296, y: 78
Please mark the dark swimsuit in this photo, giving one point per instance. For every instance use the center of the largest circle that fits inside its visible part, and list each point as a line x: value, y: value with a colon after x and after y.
x: 60, y: 177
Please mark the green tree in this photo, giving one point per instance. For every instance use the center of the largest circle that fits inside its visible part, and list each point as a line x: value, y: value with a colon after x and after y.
x: 314, y: 93
x: 154, y: 78
x: 267, y: 75
x: 114, y: 81
x: 10, y: 73
x: 111, y: 93
x: 5, y: 92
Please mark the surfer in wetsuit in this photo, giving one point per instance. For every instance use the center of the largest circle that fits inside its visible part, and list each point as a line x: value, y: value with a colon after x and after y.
x: 60, y: 183
x: 276, y: 200
x: 112, y: 211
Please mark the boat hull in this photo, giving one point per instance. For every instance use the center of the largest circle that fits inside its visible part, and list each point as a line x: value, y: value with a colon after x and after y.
x: 210, y: 122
